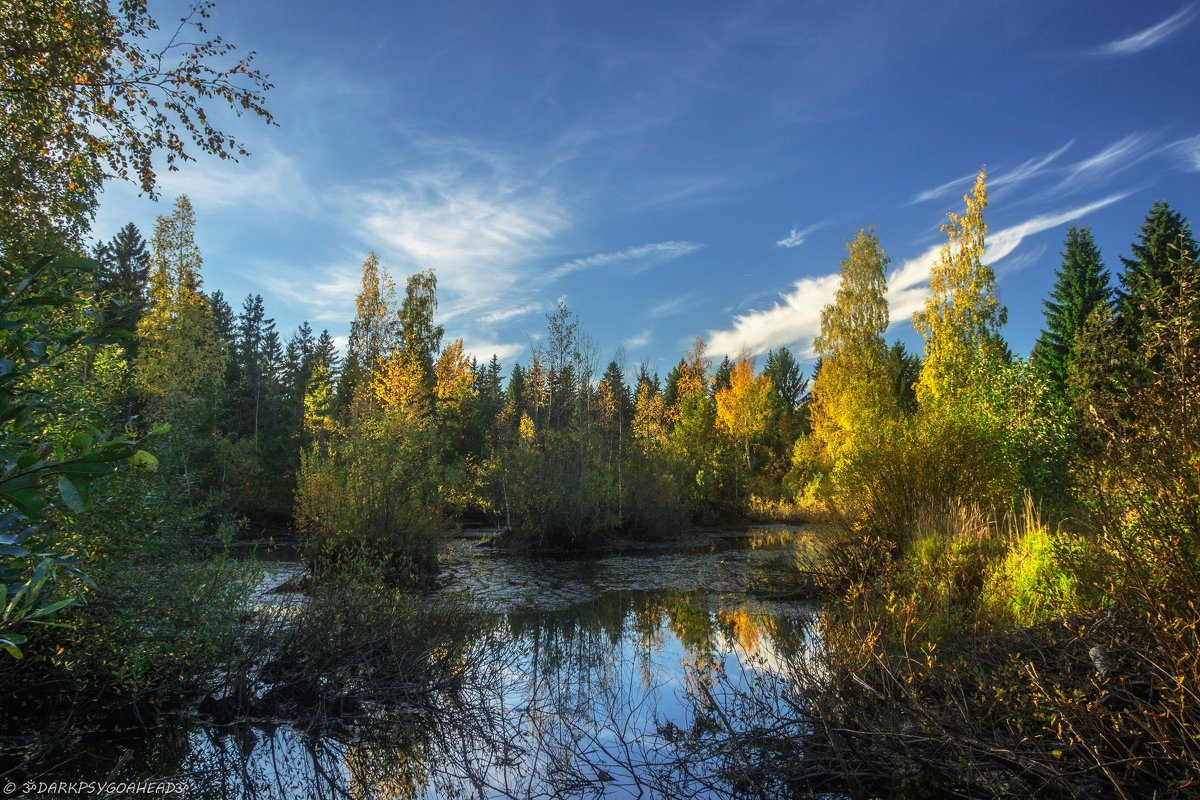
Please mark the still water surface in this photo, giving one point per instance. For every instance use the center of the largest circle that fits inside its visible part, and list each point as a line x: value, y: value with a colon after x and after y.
x: 589, y: 678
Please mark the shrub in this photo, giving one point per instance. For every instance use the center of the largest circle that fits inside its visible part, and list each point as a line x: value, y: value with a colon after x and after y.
x: 915, y: 467
x: 374, y: 491
x: 1037, y: 576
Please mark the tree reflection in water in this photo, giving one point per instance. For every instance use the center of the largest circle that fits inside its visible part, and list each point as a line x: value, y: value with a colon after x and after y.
x: 617, y: 678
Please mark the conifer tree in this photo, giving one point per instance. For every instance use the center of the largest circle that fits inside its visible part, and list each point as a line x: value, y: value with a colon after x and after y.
x: 787, y: 385
x: 1081, y: 284
x: 721, y: 377
x: 904, y: 370
x: 514, y: 395
x: 123, y: 271
x: 1166, y: 236
x: 491, y: 391
x: 962, y: 317
x: 325, y: 354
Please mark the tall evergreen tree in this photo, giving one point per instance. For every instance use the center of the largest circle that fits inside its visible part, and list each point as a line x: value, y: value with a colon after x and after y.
x: 904, y: 370
x: 297, y: 361
x: 491, y: 391
x: 1166, y: 237
x: 787, y: 385
x: 515, y: 394
x: 122, y: 275
x: 721, y: 378
x: 1081, y: 284
x: 325, y: 355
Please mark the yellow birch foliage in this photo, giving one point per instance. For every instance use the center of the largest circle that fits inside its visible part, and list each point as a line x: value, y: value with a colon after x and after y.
x: 455, y: 378
x: 180, y: 357
x: 399, y: 386
x: 652, y: 423
x: 962, y: 317
x: 744, y: 408
x: 852, y: 396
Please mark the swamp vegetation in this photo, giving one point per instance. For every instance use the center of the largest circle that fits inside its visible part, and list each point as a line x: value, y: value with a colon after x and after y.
x: 994, y: 592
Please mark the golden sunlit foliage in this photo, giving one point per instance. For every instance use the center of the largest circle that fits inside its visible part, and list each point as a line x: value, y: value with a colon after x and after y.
x: 852, y: 395
x: 181, y: 359
x: 962, y: 317
x: 744, y: 409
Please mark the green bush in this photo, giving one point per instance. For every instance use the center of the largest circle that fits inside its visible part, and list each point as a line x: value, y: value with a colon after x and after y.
x: 1037, y: 576
x: 375, y: 490
x: 920, y: 466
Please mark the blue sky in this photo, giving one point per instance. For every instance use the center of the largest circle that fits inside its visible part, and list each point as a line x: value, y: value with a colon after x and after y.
x: 680, y: 169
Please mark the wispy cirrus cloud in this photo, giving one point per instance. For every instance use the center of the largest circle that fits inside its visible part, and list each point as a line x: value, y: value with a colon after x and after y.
x: 641, y: 257
x: 1002, y: 243
x: 1118, y: 155
x: 637, y: 340
x: 476, y: 232
x: 795, y: 320
x: 676, y: 305
x: 943, y: 190
x: 1187, y: 150
x: 1145, y: 39
x: 326, y: 293
x: 1026, y: 171
x: 796, y: 237
x: 513, y: 312
x: 1030, y: 169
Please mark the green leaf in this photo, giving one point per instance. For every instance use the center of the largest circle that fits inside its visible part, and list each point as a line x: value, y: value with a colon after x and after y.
x: 50, y: 610
x: 9, y: 642
x: 27, y: 501
x: 81, y: 442
x: 71, y: 494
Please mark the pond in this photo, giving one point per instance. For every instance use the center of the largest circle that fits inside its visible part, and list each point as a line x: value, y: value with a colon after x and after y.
x: 590, y: 677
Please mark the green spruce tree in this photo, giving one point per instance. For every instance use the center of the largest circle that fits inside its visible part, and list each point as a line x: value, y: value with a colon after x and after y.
x: 1166, y: 237
x: 1081, y: 285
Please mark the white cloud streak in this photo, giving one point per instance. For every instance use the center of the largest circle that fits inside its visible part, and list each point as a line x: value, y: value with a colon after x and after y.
x: 271, y: 181
x: 476, y: 232
x: 1030, y: 169
x: 1129, y: 149
x: 643, y: 257
x: 328, y: 300
x: 505, y: 314
x: 1144, y: 40
x: 483, y: 350
x: 796, y: 237
x: 637, y: 340
x: 796, y: 320
x: 943, y: 190
x: 667, y: 308
x: 1002, y: 243
x: 1188, y: 150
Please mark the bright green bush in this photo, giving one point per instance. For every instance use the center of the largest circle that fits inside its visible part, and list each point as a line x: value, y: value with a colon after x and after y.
x: 1033, y: 579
